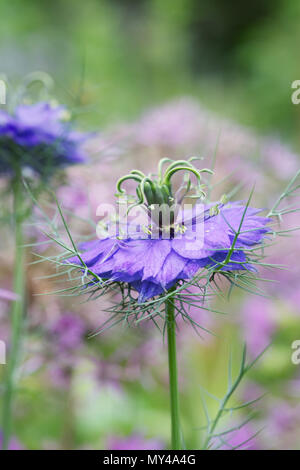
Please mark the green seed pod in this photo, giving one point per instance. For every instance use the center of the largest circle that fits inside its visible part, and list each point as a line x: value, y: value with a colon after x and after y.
x: 158, y: 195
x: 166, y: 194
x: 149, y: 193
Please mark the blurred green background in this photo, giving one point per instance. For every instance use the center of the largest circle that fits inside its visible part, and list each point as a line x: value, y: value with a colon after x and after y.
x: 118, y: 57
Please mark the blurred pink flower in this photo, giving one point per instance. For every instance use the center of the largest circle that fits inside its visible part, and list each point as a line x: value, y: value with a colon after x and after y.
x: 14, y: 444
x: 283, y: 417
x: 61, y: 372
x: 280, y: 159
x: 8, y: 295
x: 172, y: 125
x: 258, y: 323
x: 252, y: 391
x: 282, y: 425
x: 134, y: 442
x: 240, y: 439
x: 68, y: 331
x: 66, y: 337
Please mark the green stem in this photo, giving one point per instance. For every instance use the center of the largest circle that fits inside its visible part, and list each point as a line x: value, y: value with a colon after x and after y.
x: 16, y: 314
x: 174, y: 397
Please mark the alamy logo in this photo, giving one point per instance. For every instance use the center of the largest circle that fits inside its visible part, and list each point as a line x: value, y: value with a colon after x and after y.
x: 296, y: 354
x: 2, y: 352
x: 158, y: 221
x: 2, y: 92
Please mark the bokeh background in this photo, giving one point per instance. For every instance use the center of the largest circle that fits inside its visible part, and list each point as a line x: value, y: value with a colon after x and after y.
x: 152, y: 79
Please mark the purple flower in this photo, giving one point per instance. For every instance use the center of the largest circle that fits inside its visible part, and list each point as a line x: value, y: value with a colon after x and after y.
x: 282, y: 417
x: 13, y: 443
x: 259, y: 324
x: 68, y: 331
x: 282, y: 424
x: 152, y: 266
x: 36, y: 136
x: 172, y: 125
x: 281, y: 159
x: 8, y: 295
x: 134, y: 442
x: 61, y: 372
x: 240, y: 439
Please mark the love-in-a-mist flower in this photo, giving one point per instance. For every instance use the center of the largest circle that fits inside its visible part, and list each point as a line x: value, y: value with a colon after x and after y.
x: 174, y: 240
x: 162, y: 254
x: 169, y: 250
x: 40, y: 137
x: 36, y: 137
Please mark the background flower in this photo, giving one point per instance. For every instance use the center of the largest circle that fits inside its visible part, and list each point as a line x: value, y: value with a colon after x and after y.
x: 36, y: 136
x: 134, y: 442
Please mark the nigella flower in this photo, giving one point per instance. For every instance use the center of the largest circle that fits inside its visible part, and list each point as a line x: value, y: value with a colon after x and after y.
x: 155, y: 258
x: 37, y: 136
x: 176, y: 249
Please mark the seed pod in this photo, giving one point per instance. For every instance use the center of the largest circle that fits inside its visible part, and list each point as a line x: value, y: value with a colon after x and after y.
x: 158, y: 195
x: 148, y: 193
x: 166, y: 194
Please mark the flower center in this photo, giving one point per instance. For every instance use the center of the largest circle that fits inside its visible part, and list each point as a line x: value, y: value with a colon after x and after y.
x: 155, y: 193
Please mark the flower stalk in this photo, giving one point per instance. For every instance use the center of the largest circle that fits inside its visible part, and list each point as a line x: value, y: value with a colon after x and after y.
x: 16, y: 313
x: 173, y: 379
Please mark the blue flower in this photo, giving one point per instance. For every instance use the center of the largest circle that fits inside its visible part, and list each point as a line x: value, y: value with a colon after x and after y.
x: 36, y: 136
x: 153, y: 266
